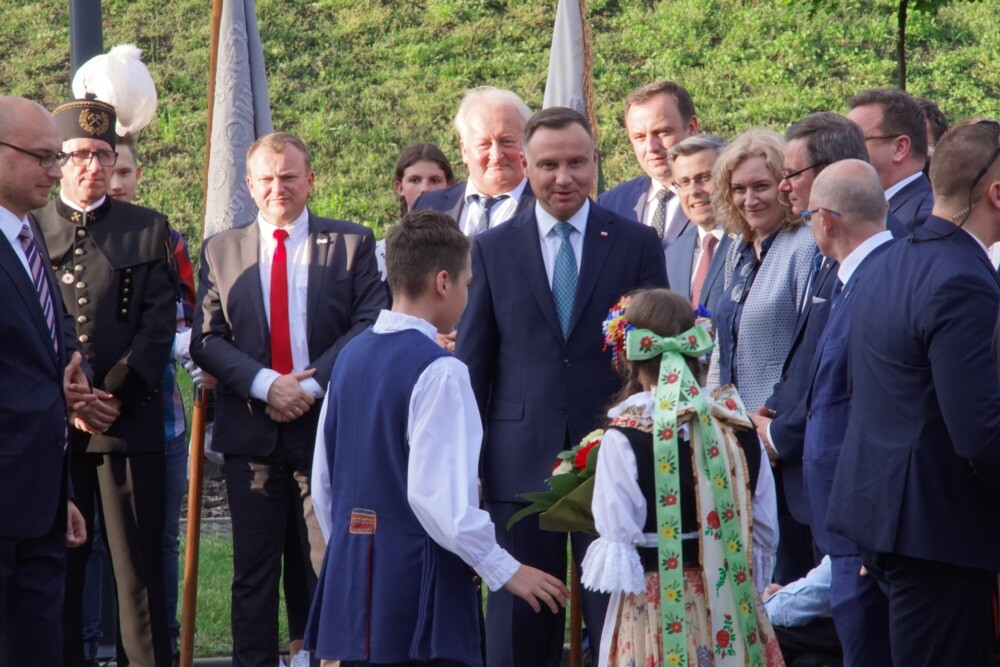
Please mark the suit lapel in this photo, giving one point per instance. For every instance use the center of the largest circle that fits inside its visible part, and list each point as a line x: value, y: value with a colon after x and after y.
x: 249, y: 262
x: 639, y: 207
x: 717, y: 265
x: 680, y: 263
x: 529, y: 251
x: 320, y: 248
x: 11, y: 264
x: 597, y: 241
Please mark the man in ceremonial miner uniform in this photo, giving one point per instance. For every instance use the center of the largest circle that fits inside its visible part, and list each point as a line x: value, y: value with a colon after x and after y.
x: 113, y: 263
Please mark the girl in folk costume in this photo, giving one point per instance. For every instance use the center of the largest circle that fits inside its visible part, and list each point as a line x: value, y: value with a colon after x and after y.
x: 672, y: 505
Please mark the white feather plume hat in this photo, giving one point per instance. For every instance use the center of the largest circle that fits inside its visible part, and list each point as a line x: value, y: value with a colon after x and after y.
x: 120, y: 78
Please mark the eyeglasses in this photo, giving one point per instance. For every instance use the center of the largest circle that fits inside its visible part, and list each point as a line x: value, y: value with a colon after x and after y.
x: 788, y: 176
x: 807, y: 215
x: 747, y: 271
x: 45, y: 160
x: 699, y: 179
x: 83, y: 158
x: 879, y: 137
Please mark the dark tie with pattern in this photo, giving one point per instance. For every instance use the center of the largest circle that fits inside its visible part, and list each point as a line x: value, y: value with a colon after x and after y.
x: 487, y: 203
x: 281, y: 337
x: 659, y: 219
x: 39, y: 280
x: 700, y: 273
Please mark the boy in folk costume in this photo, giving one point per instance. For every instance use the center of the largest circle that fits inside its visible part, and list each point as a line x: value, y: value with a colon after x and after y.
x: 395, y: 474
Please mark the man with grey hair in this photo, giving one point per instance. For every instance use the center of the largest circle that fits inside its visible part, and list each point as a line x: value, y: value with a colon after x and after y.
x: 847, y: 217
x: 696, y: 259
x: 489, y: 123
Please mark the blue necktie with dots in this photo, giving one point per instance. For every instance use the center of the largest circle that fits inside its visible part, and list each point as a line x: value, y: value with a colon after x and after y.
x: 564, y: 276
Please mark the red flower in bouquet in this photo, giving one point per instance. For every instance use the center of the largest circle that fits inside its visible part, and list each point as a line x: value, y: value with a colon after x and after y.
x: 580, y: 460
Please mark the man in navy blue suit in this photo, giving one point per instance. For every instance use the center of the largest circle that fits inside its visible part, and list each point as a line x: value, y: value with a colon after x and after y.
x: 531, y: 336
x: 896, y: 136
x: 657, y: 116
x: 813, y: 143
x: 489, y: 123
x: 917, y: 483
x: 847, y: 216
x: 695, y: 261
x: 37, y: 522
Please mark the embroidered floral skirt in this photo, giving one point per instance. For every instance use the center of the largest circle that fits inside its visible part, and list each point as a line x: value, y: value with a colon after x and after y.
x: 636, y: 640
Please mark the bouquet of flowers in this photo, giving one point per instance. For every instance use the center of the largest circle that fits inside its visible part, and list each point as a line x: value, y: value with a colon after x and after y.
x: 565, y: 506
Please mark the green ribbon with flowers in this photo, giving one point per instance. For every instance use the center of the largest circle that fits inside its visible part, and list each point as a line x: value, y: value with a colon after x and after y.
x: 678, y: 387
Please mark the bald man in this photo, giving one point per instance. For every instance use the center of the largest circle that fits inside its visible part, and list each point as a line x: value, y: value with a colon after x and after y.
x: 847, y: 211
x: 37, y: 522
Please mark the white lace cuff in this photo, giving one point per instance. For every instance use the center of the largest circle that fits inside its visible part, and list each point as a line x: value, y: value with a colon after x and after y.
x: 613, y: 567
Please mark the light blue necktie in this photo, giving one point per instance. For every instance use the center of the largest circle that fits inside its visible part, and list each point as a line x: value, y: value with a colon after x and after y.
x: 564, y: 277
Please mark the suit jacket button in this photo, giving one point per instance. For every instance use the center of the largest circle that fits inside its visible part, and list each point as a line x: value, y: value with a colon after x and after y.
x: 562, y: 411
x: 565, y: 363
x: 84, y: 338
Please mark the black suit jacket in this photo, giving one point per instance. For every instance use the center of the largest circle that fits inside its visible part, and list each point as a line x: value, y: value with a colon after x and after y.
x: 33, y: 408
x: 231, y: 338
x: 536, y: 391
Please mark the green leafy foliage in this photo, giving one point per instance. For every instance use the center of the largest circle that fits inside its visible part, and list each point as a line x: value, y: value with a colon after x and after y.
x: 360, y: 80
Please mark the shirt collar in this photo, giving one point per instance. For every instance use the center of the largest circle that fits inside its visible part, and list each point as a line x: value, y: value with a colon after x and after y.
x: 514, y: 193
x: 546, y: 223
x: 389, y: 321
x: 297, y: 229
x: 77, y: 207
x: 10, y: 225
x: 717, y: 233
x: 858, y: 255
x: 891, y: 191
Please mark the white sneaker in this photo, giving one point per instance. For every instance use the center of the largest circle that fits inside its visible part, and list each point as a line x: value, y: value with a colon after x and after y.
x: 300, y: 659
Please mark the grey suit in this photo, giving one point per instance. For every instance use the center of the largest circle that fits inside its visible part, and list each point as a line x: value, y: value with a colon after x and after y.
x: 267, y: 463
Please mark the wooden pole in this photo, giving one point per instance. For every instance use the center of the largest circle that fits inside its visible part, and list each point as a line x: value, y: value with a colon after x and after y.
x: 193, y: 538
x: 575, y: 617
x: 199, y: 416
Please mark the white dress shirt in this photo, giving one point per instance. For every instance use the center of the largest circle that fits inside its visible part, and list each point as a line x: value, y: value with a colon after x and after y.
x: 11, y: 227
x: 673, y: 206
x: 804, y: 599
x: 445, y: 433
x: 76, y: 207
x: 298, y: 252
x: 893, y: 189
x: 501, y: 212
x: 550, y: 239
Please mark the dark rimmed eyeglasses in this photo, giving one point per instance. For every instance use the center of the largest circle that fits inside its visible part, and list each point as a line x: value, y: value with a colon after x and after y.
x: 45, y: 160
x: 807, y: 215
x: 83, y: 158
x: 881, y: 137
x: 788, y: 176
x: 703, y: 178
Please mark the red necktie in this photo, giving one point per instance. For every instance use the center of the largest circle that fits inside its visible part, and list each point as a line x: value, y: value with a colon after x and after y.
x: 702, y: 271
x: 281, y: 337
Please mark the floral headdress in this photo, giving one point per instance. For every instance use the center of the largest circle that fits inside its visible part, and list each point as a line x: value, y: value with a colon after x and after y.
x: 616, y: 328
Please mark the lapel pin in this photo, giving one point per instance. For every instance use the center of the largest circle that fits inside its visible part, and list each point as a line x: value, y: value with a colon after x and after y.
x: 604, y: 234
x: 320, y: 240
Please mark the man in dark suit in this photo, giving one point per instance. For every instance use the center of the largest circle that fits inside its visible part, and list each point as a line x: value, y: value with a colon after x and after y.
x: 896, y: 136
x: 657, y: 116
x: 695, y: 261
x: 489, y: 123
x: 115, y: 272
x: 812, y: 144
x: 916, y: 484
x: 37, y: 522
x: 277, y: 301
x: 531, y: 336
x: 848, y: 211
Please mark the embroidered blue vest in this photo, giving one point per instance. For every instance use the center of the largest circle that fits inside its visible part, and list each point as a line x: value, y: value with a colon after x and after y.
x: 387, y: 592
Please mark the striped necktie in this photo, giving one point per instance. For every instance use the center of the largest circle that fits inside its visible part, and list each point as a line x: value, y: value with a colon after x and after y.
x: 39, y: 280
